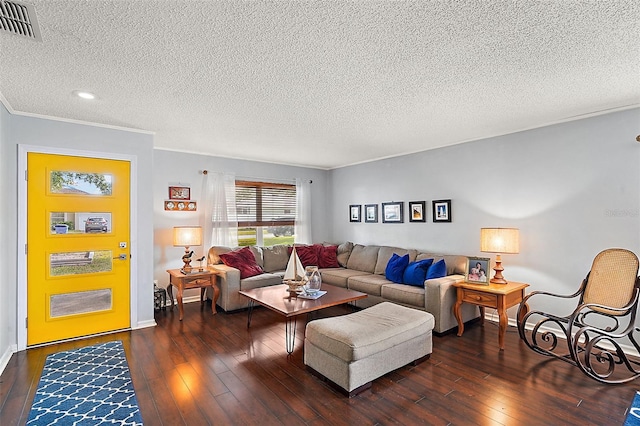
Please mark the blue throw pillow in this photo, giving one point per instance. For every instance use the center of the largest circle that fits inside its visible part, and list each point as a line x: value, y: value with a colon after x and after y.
x: 437, y: 270
x: 416, y: 272
x: 395, y: 268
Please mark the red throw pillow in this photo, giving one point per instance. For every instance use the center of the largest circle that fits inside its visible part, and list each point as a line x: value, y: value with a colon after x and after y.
x: 308, y: 255
x: 328, y: 257
x: 244, y: 261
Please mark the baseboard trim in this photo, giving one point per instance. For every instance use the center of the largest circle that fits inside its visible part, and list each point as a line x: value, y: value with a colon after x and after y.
x: 6, y: 356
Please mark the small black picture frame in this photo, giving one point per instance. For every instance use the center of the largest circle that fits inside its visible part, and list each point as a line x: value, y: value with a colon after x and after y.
x: 371, y: 213
x: 393, y: 212
x: 354, y: 212
x: 417, y: 211
x: 441, y: 210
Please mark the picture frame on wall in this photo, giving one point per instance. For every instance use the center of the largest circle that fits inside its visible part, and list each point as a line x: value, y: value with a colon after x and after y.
x: 393, y: 212
x: 441, y: 210
x: 477, y: 270
x: 179, y: 193
x: 417, y: 211
x: 354, y: 213
x: 371, y: 213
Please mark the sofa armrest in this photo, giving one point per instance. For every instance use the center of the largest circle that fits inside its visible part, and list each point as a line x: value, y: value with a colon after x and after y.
x: 228, y: 282
x: 440, y: 296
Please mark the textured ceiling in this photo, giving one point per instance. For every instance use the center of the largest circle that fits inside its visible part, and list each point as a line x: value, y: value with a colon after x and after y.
x: 324, y: 84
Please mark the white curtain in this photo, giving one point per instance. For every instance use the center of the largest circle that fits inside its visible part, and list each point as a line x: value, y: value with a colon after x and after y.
x: 220, y: 219
x: 303, y: 212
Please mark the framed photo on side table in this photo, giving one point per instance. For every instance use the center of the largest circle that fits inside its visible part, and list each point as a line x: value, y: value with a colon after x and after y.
x: 417, y: 211
x: 354, y: 213
x: 441, y: 210
x: 371, y: 213
x: 392, y: 212
x: 477, y: 271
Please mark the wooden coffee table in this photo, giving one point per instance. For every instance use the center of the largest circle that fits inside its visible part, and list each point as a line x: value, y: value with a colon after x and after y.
x: 277, y: 299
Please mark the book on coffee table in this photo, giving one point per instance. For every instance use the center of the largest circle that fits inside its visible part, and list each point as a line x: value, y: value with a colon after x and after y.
x: 312, y: 296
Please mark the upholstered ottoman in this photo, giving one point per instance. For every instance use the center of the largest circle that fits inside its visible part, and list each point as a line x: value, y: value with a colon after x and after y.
x: 352, y: 350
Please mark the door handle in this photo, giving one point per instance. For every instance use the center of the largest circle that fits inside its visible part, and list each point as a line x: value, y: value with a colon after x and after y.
x: 121, y: 257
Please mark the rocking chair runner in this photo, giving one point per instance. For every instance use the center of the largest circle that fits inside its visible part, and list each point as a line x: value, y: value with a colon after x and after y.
x: 594, y: 331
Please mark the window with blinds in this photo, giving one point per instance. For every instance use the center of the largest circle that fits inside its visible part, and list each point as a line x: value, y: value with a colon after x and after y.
x: 265, y: 207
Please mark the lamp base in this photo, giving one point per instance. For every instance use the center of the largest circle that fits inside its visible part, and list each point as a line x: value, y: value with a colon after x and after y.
x: 498, y: 278
x: 187, y: 259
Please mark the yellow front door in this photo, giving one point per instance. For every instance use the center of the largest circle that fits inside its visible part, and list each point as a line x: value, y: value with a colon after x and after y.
x: 77, y: 247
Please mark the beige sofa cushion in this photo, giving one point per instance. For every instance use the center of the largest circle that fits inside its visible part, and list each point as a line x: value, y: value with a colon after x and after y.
x: 455, y: 264
x: 261, y: 280
x: 370, y: 284
x: 363, y: 258
x: 404, y: 294
x: 257, y: 253
x: 344, y: 251
x: 368, y: 332
x: 275, y: 258
x: 385, y: 254
x: 339, y: 276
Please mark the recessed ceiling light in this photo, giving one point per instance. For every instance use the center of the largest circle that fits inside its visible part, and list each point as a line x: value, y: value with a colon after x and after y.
x: 84, y: 95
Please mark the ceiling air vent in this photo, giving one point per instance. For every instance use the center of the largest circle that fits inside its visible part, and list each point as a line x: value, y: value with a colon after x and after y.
x: 19, y: 19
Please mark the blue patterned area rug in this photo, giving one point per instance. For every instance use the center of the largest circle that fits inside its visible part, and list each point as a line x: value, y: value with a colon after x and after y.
x: 633, y: 418
x: 86, y: 386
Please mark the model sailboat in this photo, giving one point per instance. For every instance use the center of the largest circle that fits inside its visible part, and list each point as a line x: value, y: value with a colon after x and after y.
x: 294, y: 275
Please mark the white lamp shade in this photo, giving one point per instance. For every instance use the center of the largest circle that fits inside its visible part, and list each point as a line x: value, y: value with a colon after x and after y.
x: 185, y: 236
x: 500, y: 240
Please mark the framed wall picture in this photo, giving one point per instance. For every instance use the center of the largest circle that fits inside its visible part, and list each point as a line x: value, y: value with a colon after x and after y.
x: 392, y: 212
x: 477, y: 271
x: 371, y: 213
x: 354, y: 213
x: 179, y: 193
x: 441, y: 210
x: 417, y: 211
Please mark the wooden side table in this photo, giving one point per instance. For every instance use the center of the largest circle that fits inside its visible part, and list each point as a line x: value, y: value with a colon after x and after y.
x: 497, y: 296
x: 201, y: 280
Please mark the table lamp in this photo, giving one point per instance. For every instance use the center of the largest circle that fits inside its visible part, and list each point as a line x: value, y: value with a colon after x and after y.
x: 186, y: 236
x: 499, y: 240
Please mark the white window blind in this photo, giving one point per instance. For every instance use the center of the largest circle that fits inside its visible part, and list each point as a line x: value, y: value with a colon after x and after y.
x: 265, y: 203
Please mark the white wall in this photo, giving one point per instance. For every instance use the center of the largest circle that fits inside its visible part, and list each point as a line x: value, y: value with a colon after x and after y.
x: 573, y: 189
x: 172, y: 168
x: 71, y: 136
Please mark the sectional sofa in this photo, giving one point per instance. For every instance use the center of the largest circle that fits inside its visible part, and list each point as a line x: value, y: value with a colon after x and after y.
x: 360, y: 268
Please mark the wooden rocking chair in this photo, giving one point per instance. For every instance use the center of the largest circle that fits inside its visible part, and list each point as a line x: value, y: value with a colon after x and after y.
x: 594, y: 331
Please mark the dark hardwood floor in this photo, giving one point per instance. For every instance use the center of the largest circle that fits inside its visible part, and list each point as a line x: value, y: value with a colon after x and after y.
x: 213, y: 370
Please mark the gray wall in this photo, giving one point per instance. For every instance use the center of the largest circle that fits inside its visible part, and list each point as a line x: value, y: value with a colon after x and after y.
x: 17, y: 130
x: 8, y: 216
x: 573, y: 189
x: 171, y: 168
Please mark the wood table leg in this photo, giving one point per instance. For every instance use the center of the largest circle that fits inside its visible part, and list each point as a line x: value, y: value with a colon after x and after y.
x: 456, y: 312
x: 503, y: 322
x: 170, y: 292
x: 180, y: 307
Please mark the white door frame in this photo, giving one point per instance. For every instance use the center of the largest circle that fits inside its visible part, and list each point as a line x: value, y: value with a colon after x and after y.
x: 21, y: 302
